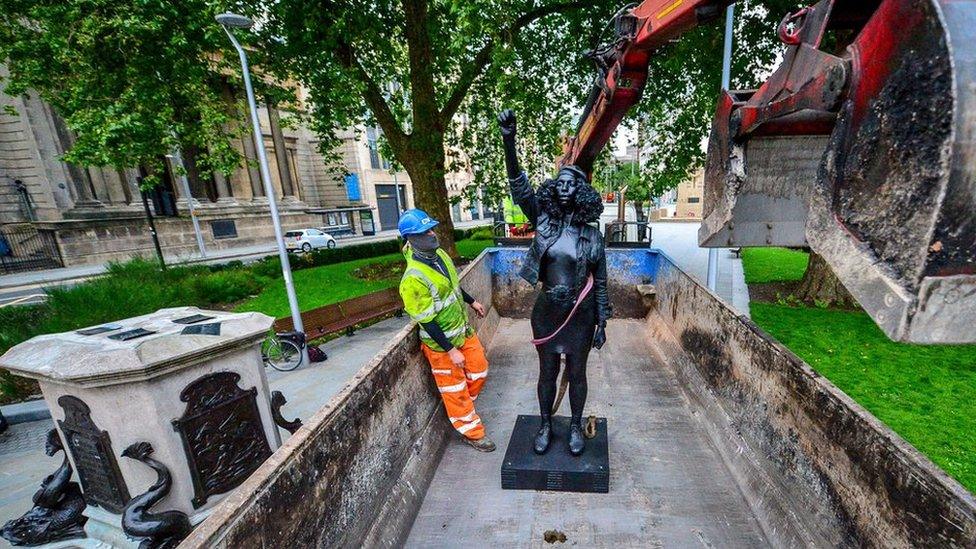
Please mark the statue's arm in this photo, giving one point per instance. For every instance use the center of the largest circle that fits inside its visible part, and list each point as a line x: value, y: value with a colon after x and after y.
x: 518, y: 182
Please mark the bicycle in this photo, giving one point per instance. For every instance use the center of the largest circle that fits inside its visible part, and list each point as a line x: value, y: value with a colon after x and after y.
x: 283, y: 351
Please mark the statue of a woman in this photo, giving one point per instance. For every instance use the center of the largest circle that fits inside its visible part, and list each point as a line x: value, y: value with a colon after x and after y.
x: 567, y: 255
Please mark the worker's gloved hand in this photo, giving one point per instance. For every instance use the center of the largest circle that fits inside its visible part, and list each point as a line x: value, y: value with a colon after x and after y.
x: 479, y: 308
x: 506, y: 121
x: 600, y: 337
x: 457, y: 357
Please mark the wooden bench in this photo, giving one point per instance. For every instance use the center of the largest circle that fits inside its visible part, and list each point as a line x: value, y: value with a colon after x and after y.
x: 346, y: 314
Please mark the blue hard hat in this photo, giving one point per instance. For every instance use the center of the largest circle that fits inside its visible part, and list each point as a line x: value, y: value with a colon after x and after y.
x: 415, y: 222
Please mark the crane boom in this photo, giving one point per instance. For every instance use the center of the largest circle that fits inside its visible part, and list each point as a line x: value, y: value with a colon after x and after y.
x: 623, y: 65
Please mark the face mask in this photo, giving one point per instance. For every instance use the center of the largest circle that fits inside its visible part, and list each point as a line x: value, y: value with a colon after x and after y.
x: 424, y: 242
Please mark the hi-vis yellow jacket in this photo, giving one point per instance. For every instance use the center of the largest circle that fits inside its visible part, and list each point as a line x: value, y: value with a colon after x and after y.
x: 430, y: 296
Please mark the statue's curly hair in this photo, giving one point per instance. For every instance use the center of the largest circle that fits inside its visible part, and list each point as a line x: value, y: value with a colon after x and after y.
x: 587, y: 206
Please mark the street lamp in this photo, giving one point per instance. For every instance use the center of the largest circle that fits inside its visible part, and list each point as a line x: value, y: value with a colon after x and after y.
x: 711, y: 278
x: 234, y: 21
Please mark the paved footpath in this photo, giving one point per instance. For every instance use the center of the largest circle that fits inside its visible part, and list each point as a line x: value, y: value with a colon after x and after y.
x: 679, y: 240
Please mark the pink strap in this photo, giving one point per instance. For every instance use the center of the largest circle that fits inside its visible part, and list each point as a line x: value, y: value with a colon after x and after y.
x: 572, y: 313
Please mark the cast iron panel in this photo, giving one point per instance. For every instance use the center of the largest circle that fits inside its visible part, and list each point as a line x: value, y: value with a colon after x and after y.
x: 557, y: 470
x: 222, y: 434
x: 91, y: 448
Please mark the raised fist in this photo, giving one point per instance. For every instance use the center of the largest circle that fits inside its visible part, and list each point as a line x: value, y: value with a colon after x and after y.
x: 506, y: 121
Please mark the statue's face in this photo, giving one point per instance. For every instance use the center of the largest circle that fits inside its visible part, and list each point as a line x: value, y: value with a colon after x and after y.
x: 566, y: 187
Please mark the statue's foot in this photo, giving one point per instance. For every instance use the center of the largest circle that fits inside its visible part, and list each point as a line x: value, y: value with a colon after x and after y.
x: 543, y: 437
x: 576, y: 440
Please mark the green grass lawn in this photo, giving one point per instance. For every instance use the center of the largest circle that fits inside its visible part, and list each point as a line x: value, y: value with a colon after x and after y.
x: 321, y: 286
x: 764, y: 265
x: 926, y: 393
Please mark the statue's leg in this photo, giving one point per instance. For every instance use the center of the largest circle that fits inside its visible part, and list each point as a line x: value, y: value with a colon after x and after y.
x: 576, y: 369
x: 546, y: 388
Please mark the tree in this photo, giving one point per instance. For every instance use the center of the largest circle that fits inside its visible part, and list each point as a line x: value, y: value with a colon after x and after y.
x: 684, y: 80
x: 820, y: 285
x: 131, y: 79
x: 432, y: 76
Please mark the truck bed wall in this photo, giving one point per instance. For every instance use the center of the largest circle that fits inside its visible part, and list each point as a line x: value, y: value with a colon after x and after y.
x: 356, y: 473
x: 820, y: 469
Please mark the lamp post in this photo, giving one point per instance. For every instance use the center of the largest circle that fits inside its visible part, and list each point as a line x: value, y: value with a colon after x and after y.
x: 177, y: 158
x: 712, y: 277
x: 231, y: 21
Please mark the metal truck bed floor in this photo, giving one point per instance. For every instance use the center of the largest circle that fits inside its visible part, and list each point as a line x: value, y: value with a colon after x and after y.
x: 668, y: 485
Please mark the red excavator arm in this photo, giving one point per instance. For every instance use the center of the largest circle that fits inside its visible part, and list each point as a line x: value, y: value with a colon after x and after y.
x: 622, y: 67
x: 861, y: 146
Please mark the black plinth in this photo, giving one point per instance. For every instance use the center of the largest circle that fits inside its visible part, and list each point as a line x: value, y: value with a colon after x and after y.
x: 557, y: 469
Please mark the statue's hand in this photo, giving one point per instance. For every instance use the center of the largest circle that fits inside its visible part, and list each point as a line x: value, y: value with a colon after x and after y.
x: 600, y: 337
x: 506, y: 122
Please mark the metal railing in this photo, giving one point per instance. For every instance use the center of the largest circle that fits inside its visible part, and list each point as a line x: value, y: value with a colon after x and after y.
x: 627, y: 234
x: 512, y: 234
x: 26, y: 248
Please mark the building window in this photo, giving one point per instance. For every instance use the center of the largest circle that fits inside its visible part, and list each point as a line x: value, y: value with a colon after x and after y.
x: 332, y: 220
x: 352, y: 188
x: 374, y: 153
x: 694, y: 200
x: 344, y: 218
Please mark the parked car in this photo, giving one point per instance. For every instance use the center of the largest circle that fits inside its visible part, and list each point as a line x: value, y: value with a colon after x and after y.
x: 307, y: 240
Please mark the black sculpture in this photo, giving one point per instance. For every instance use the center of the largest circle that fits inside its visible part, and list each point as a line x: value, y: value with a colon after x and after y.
x: 158, y: 530
x: 277, y: 401
x: 567, y: 255
x: 58, y: 504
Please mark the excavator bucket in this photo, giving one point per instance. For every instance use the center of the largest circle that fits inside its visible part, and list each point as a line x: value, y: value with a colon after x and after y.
x: 756, y: 191
x: 888, y: 195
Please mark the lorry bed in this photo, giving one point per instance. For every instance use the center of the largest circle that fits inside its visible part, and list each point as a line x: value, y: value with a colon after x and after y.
x: 718, y: 437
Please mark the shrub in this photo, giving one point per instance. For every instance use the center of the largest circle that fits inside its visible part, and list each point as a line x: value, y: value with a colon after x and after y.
x: 223, y: 287
x: 482, y: 233
x: 329, y: 256
x: 268, y: 267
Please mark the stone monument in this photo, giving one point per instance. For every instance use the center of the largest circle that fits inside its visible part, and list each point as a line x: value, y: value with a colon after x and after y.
x: 159, y: 416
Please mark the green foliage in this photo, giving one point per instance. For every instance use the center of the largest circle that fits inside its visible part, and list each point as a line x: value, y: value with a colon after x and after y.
x: 484, y: 233
x: 413, y: 67
x: 764, y: 265
x: 327, y: 284
x: 926, y: 393
x: 138, y: 287
x: 320, y: 286
x: 270, y: 266
x: 684, y: 81
x: 129, y: 289
x: 131, y: 79
x: 469, y: 249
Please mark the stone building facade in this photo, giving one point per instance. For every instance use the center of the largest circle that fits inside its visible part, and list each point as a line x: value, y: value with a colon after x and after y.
x: 689, y: 196
x: 80, y: 215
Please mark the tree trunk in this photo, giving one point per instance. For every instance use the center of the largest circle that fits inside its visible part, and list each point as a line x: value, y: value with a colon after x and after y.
x: 425, y: 164
x: 821, y: 285
x: 641, y: 218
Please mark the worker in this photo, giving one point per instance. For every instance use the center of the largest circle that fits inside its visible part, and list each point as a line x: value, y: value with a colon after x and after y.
x: 432, y: 296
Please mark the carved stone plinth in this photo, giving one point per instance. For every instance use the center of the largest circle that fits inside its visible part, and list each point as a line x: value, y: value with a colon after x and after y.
x: 188, y: 383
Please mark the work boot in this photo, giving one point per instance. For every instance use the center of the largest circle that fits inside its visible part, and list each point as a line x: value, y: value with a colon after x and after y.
x: 543, y: 437
x: 483, y: 444
x: 576, y: 440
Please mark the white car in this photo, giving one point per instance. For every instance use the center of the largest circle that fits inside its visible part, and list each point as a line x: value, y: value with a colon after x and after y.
x: 307, y: 240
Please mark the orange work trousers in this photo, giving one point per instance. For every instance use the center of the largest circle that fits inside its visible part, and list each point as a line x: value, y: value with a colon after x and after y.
x: 459, y: 387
